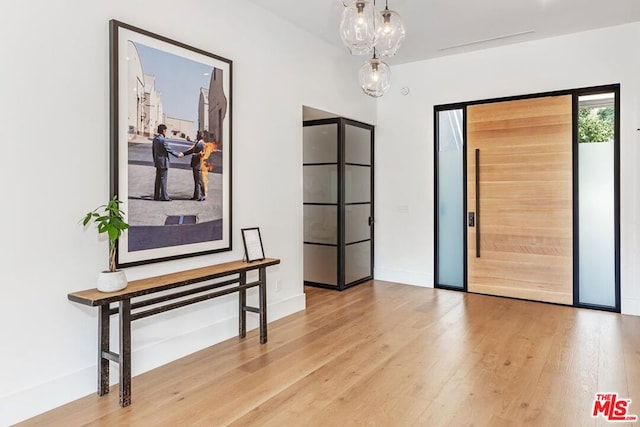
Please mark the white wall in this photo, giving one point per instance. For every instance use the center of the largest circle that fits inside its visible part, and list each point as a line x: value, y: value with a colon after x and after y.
x: 54, y: 112
x: 404, y: 136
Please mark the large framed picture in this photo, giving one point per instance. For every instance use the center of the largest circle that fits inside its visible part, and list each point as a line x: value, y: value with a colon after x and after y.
x: 170, y: 146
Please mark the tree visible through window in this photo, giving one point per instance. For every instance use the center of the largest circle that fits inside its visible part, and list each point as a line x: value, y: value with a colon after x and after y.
x: 595, y: 124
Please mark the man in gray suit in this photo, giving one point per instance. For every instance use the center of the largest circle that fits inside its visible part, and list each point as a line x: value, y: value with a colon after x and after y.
x: 161, y: 151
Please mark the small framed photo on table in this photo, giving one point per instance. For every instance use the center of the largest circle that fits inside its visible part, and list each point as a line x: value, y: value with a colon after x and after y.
x: 253, y: 250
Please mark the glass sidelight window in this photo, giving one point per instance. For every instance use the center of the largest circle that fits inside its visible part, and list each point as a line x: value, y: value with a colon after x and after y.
x: 597, y: 199
x: 450, y: 199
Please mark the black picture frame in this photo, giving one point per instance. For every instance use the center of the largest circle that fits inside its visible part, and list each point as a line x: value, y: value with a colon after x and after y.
x: 252, y: 242
x: 156, y: 80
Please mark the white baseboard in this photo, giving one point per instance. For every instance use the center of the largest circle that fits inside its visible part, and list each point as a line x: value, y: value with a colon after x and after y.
x: 631, y: 306
x: 403, y: 276
x: 30, y: 402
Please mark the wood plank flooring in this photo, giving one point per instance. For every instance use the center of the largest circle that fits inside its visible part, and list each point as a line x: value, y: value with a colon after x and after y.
x: 385, y: 354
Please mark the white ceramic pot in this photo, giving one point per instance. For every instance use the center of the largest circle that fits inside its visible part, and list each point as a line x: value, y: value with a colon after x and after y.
x: 112, y: 281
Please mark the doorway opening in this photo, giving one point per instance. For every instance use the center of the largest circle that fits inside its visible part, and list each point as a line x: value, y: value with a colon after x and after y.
x: 338, y: 200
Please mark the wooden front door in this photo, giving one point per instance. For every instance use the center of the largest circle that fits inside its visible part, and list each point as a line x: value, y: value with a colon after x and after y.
x: 519, y: 187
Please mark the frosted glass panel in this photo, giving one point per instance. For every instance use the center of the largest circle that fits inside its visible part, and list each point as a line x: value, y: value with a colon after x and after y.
x: 357, y: 262
x: 321, y: 224
x: 450, y: 130
x: 597, y: 223
x: 320, y: 184
x: 321, y: 264
x: 356, y: 218
x: 450, y: 200
x: 357, y: 145
x: 357, y: 184
x: 320, y: 144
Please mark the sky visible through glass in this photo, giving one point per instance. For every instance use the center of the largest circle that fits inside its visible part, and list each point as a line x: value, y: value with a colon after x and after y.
x: 178, y: 80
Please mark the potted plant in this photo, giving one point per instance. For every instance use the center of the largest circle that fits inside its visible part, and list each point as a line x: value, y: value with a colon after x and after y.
x: 109, y: 219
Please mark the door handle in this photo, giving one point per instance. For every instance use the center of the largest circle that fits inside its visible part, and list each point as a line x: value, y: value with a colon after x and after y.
x: 370, y: 221
x: 477, y: 203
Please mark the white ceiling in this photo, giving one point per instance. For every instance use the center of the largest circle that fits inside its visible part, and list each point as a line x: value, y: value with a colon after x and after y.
x: 444, y: 27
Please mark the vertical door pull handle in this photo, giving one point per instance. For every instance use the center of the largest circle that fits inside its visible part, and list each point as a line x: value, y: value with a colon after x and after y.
x: 477, y: 203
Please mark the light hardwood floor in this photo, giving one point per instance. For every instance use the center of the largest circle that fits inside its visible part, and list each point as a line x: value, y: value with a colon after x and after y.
x: 384, y: 354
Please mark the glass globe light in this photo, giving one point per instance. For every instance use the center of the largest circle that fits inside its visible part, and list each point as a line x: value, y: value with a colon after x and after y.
x: 375, y: 77
x: 390, y: 34
x: 358, y: 27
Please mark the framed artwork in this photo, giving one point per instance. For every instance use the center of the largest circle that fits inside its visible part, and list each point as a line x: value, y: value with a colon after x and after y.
x: 170, y: 146
x: 253, y: 250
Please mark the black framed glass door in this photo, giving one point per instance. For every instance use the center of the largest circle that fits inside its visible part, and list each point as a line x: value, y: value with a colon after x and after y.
x: 338, y: 202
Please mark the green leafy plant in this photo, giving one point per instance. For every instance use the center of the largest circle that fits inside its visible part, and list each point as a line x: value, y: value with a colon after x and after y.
x: 595, y: 124
x: 109, y: 218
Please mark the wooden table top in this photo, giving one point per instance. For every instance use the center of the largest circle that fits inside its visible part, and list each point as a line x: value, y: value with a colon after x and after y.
x: 93, y: 297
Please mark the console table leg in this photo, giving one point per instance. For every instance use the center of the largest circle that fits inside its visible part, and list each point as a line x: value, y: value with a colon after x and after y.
x: 262, y: 272
x: 103, y: 346
x: 242, y: 296
x: 125, y: 352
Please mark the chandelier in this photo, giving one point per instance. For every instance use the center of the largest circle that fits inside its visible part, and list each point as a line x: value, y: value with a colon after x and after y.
x: 365, y: 30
